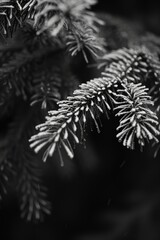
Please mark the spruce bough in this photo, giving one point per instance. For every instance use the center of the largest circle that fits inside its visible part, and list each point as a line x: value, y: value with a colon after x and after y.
x: 39, y: 41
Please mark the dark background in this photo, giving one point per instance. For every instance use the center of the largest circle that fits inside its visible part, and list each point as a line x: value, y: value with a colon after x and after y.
x: 107, y: 192
x: 147, y: 12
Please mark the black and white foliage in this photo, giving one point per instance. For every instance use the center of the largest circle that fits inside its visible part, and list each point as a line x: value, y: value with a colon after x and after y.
x: 13, y: 13
x: 119, y: 89
x: 43, y: 38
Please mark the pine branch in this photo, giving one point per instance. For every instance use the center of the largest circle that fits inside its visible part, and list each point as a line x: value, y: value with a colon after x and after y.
x: 17, y: 155
x: 130, y: 63
x: 38, y: 70
x: 32, y: 193
x: 153, y: 78
x: 53, y: 15
x: 13, y: 73
x: 9, y: 84
x: 13, y: 13
x: 91, y: 99
x: 17, y: 73
x: 46, y: 87
x: 6, y: 168
x: 5, y: 173
x: 153, y: 82
x: 53, y: 81
x: 29, y: 37
x: 19, y: 64
x: 136, y: 118
x: 82, y: 38
x: 73, y: 22
x: 127, y: 71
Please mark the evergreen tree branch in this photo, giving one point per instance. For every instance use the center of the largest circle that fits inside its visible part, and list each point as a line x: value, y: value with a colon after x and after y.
x: 91, y: 99
x: 127, y: 71
x: 33, y: 65
x: 82, y: 38
x: 18, y: 72
x: 137, y: 120
x: 6, y: 168
x: 13, y: 13
x: 73, y: 21
x: 46, y: 87
x: 54, y: 15
x: 32, y: 194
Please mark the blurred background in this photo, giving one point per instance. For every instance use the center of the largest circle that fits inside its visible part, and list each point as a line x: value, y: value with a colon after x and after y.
x: 106, y: 192
x: 147, y: 12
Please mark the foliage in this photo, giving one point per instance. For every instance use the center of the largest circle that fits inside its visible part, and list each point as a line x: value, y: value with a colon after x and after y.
x: 44, y: 40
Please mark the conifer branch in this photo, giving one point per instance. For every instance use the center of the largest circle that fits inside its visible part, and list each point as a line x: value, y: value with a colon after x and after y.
x: 136, y: 118
x: 126, y: 72
x: 6, y: 169
x: 32, y: 193
x: 13, y: 13
x: 33, y: 65
x: 153, y: 78
x: 14, y: 72
x: 125, y: 64
x: 82, y: 38
x: 54, y: 15
x: 91, y: 99
x: 73, y: 21
x: 15, y: 154
x: 46, y: 87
